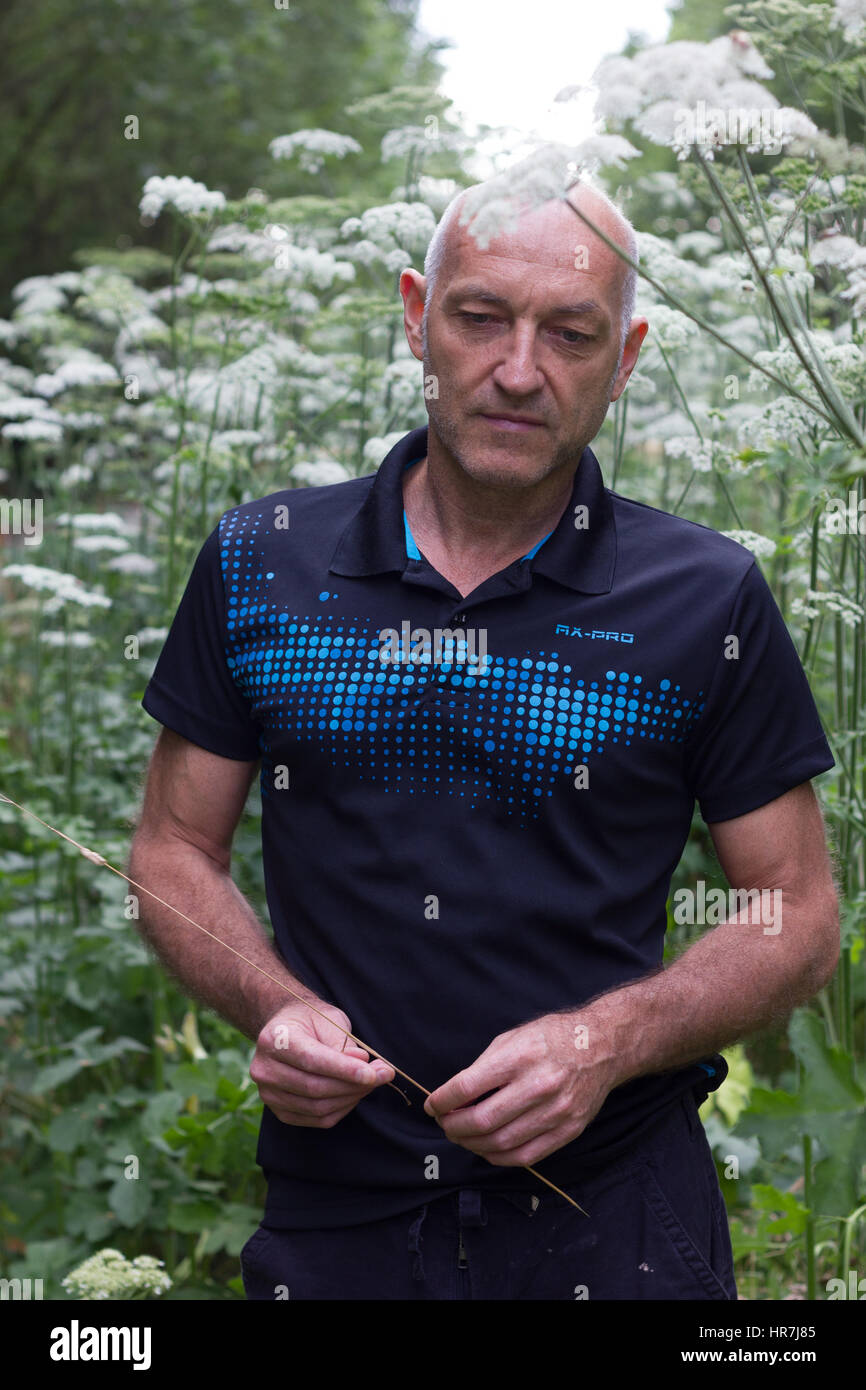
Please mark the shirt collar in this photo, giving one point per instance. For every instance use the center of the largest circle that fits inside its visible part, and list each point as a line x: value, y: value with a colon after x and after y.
x: 580, y: 556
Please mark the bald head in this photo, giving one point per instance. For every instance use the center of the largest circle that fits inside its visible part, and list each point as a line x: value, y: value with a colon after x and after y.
x: 584, y: 198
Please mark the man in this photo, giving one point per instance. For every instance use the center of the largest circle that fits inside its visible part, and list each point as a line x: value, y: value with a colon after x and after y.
x: 485, y: 693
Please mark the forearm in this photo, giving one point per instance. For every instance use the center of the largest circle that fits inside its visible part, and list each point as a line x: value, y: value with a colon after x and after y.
x: 731, y: 983
x: 204, y: 890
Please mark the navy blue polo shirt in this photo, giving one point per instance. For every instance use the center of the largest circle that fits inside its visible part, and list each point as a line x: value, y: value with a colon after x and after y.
x: 452, y: 847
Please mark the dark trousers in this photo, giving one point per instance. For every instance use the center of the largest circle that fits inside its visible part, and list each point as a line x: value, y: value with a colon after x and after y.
x: 656, y: 1229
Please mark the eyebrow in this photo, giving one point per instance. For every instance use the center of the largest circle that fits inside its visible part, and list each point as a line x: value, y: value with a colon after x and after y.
x: 578, y: 309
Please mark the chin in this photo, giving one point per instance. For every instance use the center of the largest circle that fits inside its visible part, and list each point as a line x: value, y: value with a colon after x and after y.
x: 504, y: 466
x: 501, y: 459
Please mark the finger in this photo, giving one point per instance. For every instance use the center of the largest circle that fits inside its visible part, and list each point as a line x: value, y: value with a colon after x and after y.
x: 309, y: 1055
x: 488, y: 1073
x: 500, y: 1111
x: 324, y: 1121
x: 530, y: 1152
x: 281, y: 1078
x: 286, y: 1080
x: 308, y: 1107
x: 506, y: 1138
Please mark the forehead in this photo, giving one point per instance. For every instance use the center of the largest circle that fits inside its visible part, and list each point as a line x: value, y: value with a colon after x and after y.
x: 551, y: 244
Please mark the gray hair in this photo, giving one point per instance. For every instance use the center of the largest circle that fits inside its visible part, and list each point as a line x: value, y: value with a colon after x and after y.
x: 436, y: 253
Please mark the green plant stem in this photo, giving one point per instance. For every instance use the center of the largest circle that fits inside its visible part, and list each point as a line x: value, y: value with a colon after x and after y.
x: 809, y: 1232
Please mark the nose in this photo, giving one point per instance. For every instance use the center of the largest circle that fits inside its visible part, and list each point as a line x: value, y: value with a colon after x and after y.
x: 517, y: 373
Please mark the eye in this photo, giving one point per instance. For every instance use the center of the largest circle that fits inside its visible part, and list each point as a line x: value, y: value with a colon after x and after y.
x: 575, y: 336
x: 476, y: 318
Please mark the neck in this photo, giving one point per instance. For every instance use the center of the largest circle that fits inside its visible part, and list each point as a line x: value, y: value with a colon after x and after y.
x: 476, y: 525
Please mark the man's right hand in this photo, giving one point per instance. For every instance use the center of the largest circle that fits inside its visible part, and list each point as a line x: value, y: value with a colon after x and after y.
x: 308, y: 1072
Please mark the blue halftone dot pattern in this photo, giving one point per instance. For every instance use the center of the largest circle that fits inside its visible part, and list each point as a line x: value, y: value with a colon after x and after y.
x: 510, y: 731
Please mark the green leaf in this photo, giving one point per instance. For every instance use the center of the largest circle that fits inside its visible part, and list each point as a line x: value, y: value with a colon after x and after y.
x: 829, y: 1082
x: 233, y: 1229
x: 792, y: 1214
x: 192, y: 1217
x: 129, y: 1199
x: 230, y: 1093
x: 71, y: 1128
x: 160, y: 1113
x: 837, y: 1175
x: 776, y: 1118
x: 55, y: 1075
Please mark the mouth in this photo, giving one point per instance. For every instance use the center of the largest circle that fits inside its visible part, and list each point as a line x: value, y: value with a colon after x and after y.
x: 512, y: 422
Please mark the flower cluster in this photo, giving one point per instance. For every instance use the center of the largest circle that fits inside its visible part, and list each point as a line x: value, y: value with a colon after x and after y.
x: 392, y: 232
x: 110, y: 1275
x: 597, y: 151
x: 685, y: 93
x: 843, y: 253
x: 669, y: 328
x: 850, y: 16
x: 419, y: 139
x: 845, y: 362
x: 782, y: 421
x: 810, y: 605
x: 75, y: 367
x: 319, y: 472
x: 185, y: 194
x: 703, y: 454
x: 761, y: 546
x: 313, y: 147
x: 64, y: 588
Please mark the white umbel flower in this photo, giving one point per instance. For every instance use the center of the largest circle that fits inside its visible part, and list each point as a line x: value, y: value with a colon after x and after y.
x: 94, y: 543
x: 184, y: 194
x: 850, y: 16
x: 813, y: 600
x: 132, y: 563
x: 63, y: 588
x: 94, y: 521
x: 320, y: 473
x: 110, y: 1275
x: 761, y: 546
x: 703, y: 454
x: 313, y: 147
x: 33, y: 430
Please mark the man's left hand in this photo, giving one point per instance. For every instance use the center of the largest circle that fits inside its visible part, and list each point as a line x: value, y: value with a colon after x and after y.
x: 548, y: 1082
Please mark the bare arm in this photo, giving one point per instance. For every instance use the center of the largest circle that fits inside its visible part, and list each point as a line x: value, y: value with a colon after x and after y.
x: 551, y: 1075
x: 182, y: 850
x: 743, y: 974
x: 304, y: 1067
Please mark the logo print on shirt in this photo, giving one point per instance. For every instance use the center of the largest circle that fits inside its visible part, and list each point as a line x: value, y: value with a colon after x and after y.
x: 512, y: 734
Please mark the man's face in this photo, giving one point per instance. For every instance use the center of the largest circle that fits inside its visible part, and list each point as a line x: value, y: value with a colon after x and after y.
x: 524, y: 341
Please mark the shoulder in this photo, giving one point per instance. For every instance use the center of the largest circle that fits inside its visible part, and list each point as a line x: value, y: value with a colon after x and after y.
x: 330, y: 506
x: 659, y: 542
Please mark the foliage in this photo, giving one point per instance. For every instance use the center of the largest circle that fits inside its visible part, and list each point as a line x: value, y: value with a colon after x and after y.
x: 208, y: 85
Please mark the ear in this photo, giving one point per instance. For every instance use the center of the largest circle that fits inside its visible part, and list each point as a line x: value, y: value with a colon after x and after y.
x: 636, y: 334
x: 413, y: 287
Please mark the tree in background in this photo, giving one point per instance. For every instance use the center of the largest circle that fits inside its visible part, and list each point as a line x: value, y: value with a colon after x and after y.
x: 95, y: 100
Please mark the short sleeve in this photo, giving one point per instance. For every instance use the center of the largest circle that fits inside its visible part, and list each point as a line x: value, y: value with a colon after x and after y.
x: 191, y: 690
x: 759, y: 733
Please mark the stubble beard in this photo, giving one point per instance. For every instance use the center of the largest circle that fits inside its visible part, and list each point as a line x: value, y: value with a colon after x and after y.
x: 564, y: 457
